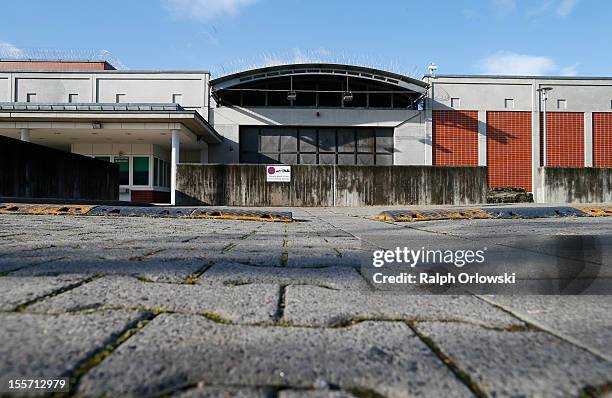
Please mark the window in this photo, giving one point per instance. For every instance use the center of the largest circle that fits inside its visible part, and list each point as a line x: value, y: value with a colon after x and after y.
x: 124, y: 169
x: 119, y: 98
x: 140, y: 173
x: 561, y: 104
x: 156, y: 179
x: 31, y: 97
x: 455, y: 102
x: 105, y: 158
x: 73, y: 98
x: 313, y: 145
x: 509, y: 103
x: 177, y: 98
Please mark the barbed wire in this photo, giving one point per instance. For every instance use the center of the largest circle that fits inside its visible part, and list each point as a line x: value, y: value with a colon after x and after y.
x: 12, y: 53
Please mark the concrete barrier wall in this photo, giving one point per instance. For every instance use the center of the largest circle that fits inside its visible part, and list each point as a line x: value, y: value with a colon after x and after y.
x: 34, y: 171
x: 328, y: 185
x: 576, y: 185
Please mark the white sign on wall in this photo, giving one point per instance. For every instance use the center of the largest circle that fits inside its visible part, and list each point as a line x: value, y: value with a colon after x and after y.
x: 278, y: 173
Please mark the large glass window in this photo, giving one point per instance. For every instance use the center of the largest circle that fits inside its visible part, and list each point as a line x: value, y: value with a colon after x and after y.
x: 124, y: 169
x: 140, y: 174
x: 313, y: 145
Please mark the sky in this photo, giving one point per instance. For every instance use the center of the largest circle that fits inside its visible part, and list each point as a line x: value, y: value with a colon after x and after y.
x: 517, y: 37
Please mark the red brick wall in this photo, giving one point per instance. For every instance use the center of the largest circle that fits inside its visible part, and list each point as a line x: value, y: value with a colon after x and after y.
x: 150, y: 196
x: 54, y: 65
x: 602, y: 139
x: 455, y: 138
x: 509, y: 149
x: 564, y: 139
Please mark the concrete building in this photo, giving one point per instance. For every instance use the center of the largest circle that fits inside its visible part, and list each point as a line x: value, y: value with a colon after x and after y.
x: 308, y: 114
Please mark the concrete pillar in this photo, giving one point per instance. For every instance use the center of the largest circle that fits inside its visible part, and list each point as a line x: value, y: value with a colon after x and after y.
x: 25, y: 135
x: 204, y: 154
x: 588, y: 139
x: 176, y: 144
x: 482, y: 138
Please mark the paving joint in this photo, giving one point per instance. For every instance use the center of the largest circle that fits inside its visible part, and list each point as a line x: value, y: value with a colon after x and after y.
x: 191, y: 279
x: 446, y: 360
x: 537, y: 325
x: 64, y: 289
x: 103, y: 352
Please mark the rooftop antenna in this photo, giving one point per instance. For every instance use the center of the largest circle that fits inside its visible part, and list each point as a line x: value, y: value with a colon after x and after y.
x: 432, y: 69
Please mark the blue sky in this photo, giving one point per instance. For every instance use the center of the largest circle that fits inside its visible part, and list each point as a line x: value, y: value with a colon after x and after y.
x: 547, y: 37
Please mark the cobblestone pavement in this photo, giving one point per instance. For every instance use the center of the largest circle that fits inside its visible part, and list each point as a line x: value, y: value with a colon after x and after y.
x: 222, y: 308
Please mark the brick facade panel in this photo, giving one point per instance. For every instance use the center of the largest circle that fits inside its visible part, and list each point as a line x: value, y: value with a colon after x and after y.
x: 455, y: 138
x: 509, y: 149
x: 564, y: 139
x: 602, y: 139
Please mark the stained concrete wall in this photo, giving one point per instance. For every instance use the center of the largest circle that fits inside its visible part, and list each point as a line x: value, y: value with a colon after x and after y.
x: 328, y: 185
x: 35, y: 171
x: 576, y: 185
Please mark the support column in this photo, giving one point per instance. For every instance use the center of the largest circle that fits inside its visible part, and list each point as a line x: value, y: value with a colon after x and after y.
x: 176, y: 143
x: 25, y: 135
x: 482, y: 138
x: 588, y: 139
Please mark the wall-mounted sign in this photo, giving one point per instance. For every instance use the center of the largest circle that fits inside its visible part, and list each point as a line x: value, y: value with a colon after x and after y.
x: 278, y: 173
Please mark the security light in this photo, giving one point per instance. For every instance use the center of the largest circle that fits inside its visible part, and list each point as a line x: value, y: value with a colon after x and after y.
x: 432, y: 69
x: 347, y: 96
x: 291, y: 95
x: 96, y: 125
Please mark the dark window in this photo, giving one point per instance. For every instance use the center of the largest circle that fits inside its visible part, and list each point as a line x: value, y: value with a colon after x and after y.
x: 308, y: 98
x: 313, y: 145
x: 380, y: 100
x: 360, y: 100
x: 402, y: 101
x: 124, y: 169
x: 327, y: 98
x: 253, y: 98
x: 230, y: 97
x: 140, y: 174
x: 278, y: 98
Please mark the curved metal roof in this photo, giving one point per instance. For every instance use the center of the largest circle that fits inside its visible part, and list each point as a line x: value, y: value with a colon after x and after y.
x: 361, y: 72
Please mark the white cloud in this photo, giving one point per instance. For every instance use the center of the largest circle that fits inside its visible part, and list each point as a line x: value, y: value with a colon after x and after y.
x: 8, y: 50
x: 204, y: 10
x: 571, y: 70
x: 565, y: 7
x: 509, y: 63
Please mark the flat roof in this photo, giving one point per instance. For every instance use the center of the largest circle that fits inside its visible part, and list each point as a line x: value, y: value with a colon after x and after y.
x: 55, y: 111
x: 519, y: 77
x: 108, y: 71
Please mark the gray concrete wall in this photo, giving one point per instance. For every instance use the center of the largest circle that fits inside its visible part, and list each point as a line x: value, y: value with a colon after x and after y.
x: 323, y: 185
x: 411, y: 144
x: 34, y: 171
x: 576, y: 185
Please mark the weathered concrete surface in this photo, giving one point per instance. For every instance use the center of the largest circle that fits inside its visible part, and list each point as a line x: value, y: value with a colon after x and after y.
x: 224, y: 392
x: 15, y: 291
x: 174, y: 350
x: 576, y: 185
x: 317, y: 306
x: 518, y: 364
x: 52, y: 346
x: 236, y: 274
x: 323, y: 185
x: 244, y: 304
x: 582, y: 319
x: 36, y: 171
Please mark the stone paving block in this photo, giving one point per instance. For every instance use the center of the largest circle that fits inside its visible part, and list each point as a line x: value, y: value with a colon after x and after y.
x: 244, y: 304
x: 333, y: 277
x: 156, y: 270
x: 584, y: 319
x: 176, y: 349
x: 225, y: 392
x: 518, y: 363
x: 17, y: 290
x: 317, y: 306
x: 52, y: 346
x: 319, y: 257
x: 314, y: 394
